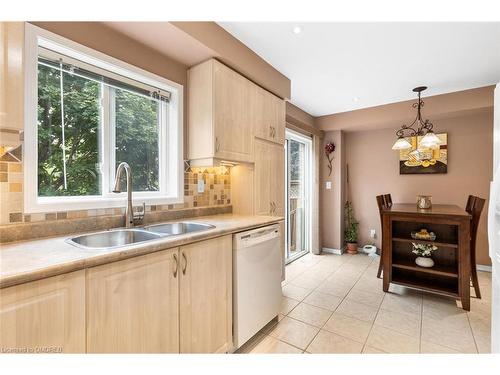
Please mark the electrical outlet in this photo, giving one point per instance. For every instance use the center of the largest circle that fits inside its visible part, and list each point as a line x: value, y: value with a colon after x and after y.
x: 372, y: 233
x: 328, y: 185
x: 201, y: 186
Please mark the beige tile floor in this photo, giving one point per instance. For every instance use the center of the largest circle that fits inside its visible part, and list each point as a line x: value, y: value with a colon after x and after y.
x: 335, y: 304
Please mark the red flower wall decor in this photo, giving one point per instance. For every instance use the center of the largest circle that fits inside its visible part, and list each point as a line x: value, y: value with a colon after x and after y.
x: 329, y: 149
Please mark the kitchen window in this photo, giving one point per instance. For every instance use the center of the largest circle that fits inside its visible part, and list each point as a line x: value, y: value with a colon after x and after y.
x: 85, y: 114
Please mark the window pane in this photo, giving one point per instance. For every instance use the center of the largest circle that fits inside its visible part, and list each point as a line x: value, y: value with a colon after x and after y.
x: 81, y: 130
x: 136, y: 133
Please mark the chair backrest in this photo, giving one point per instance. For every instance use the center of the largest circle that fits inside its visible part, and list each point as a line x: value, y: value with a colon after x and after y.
x: 383, y: 201
x: 474, y: 207
x: 388, y: 200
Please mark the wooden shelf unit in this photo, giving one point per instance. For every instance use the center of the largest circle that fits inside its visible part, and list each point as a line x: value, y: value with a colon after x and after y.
x: 451, y: 272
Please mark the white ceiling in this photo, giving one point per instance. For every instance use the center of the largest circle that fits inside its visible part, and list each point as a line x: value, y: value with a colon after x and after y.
x: 338, y: 67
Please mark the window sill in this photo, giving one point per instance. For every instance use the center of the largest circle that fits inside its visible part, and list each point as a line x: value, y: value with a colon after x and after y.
x: 47, y: 205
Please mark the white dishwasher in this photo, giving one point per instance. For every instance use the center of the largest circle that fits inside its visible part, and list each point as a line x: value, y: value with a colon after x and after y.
x: 257, y: 267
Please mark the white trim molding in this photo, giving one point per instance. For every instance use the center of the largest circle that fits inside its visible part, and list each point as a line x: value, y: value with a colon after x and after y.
x: 330, y: 250
x: 482, y: 267
x: 171, y: 154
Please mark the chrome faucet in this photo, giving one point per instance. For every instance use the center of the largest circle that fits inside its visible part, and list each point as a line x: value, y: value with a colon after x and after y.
x: 130, y: 217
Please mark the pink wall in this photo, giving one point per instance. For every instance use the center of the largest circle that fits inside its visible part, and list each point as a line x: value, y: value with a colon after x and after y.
x: 331, y: 201
x: 373, y: 170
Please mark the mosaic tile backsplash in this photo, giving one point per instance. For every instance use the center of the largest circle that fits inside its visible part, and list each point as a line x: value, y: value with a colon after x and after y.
x: 217, y: 192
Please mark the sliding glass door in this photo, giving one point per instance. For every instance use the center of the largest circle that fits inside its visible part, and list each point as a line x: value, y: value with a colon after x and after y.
x: 298, y: 191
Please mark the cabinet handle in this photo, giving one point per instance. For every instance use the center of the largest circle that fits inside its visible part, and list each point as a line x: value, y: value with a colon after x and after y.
x: 217, y: 144
x: 185, y: 263
x: 270, y: 131
x: 176, y: 265
x: 274, y: 132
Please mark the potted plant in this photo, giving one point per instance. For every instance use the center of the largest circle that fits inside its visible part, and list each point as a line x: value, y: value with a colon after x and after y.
x: 424, y: 252
x: 351, y: 229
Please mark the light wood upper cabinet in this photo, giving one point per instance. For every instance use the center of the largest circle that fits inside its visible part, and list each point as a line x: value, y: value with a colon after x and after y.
x: 132, y: 305
x: 219, y: 117
x: 226, y: 111
x: 269, y: 179
x: 267, y: 115
x: 206, y: 296
x: 11, y: 75
x: 47, y: 315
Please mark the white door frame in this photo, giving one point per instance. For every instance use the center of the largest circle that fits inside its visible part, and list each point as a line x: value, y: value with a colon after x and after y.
x: 308, y: 188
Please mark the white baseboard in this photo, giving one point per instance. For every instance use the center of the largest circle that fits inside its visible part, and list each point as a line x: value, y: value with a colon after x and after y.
x: 480, y: 267
x: 330, y: 250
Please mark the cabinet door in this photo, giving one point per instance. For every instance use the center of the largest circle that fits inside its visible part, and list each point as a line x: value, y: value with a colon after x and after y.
x: 262, y: 178
x: 280, y: 120
x: 232, y: 119
x: 277, y: 181
x: 132, y: 305
x: 206, y: 296
x: 44, y: 316
x: 11, y: 83
x: 259, y: 102
x: 273, y: 127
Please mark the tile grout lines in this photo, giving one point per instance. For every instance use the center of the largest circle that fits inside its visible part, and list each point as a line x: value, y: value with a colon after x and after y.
x: 472, y: 332
x: 373, y: 323
x: 362, y: 273
x: 332, y: 312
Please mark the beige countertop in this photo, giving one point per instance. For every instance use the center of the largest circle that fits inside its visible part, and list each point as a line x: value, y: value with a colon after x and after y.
x: 26, y: 261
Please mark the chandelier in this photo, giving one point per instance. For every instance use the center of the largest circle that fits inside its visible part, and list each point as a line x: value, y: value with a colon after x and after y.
x: 418, y: 127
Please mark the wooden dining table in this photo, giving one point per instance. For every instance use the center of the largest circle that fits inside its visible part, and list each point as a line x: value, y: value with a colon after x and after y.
x: 450, y: 275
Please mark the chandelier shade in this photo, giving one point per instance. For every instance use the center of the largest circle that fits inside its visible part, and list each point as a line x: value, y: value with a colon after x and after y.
x: 401, y: 144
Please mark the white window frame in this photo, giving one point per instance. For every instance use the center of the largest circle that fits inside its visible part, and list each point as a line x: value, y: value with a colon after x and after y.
x: 171, y: 177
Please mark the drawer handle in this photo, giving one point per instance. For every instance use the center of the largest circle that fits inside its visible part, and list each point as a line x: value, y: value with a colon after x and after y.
x: 176, y: 266
x: 185, y: 263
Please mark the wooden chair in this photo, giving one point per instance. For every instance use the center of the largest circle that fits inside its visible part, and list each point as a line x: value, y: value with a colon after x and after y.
x: 474, y: 207
x: 383, y: 201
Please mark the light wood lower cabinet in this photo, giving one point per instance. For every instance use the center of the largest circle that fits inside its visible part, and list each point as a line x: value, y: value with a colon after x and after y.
x: 43, y: 316
x: 132, y: 305
x: 171, y: 301
x: 206, y: 296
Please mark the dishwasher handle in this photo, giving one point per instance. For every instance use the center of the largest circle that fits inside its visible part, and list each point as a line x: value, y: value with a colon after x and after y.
x: 257, y: 237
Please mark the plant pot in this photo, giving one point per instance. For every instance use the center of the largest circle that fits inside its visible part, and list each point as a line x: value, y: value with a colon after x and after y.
x: 424, y: 262
x: 352, y: 247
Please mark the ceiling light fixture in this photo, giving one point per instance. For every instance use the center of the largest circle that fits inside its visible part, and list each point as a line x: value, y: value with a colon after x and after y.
x: 418, y: 127
x: 297, y: 30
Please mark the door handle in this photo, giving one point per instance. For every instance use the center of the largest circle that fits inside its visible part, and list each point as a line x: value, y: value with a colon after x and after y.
x: 185, y: 263
x: 176, y: 268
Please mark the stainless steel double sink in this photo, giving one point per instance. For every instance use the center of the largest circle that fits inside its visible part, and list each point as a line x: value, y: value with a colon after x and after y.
x: 123, y: 237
